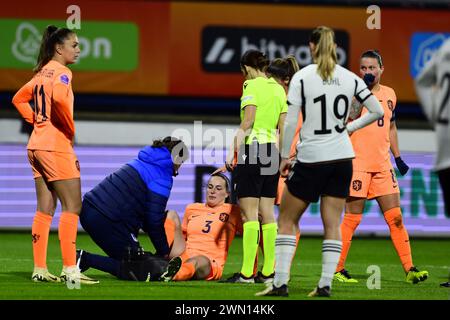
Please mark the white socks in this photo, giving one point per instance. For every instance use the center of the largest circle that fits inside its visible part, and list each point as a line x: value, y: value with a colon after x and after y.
x: 331, y: 251
x: 285, y: 246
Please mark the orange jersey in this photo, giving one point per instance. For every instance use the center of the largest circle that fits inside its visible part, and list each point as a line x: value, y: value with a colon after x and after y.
x: 372, y: 143
x: 293, y: 151
x: 210, y: 231
x: 292, y: 155
x: 52, y: 114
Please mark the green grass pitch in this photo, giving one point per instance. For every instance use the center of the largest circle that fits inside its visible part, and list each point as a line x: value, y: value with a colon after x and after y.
x: 432, y: 255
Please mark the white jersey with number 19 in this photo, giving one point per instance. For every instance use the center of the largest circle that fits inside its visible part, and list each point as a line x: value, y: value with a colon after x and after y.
x: 325, y: 108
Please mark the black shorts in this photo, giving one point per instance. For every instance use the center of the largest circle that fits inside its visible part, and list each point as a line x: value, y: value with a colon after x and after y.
x: 310, y: 181
x: 257, y: 172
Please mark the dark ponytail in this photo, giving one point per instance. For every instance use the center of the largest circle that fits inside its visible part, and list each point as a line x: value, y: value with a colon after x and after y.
x: 373, y: 54
x: 255, y: 59
x: 176, y: 147
x: 283, y: 69
x: 51, y: 37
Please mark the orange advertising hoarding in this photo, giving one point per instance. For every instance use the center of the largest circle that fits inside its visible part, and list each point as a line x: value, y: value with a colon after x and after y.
x: 192, y: 49
x: 392, y: 40
x: 150, y: 22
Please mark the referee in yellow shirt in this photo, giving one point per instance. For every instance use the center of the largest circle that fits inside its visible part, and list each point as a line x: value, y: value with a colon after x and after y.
x: 263, y: 111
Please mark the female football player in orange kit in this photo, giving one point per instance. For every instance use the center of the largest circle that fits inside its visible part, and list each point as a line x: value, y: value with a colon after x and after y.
x: 205, y: 235
x: 50, y: 151
x: 373, y: 175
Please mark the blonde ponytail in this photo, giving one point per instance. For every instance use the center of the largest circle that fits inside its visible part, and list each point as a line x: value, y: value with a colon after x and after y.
x: 324, y: 52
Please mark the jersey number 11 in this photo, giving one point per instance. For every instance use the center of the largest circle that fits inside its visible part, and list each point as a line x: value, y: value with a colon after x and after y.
x: 37, y: 108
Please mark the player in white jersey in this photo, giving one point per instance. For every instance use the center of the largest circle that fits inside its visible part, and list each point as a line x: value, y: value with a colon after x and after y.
x: 323, y: 92
x: 433, y: 90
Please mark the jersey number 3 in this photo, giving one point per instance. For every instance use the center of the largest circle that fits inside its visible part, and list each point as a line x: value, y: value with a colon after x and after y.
x: 207, y: 227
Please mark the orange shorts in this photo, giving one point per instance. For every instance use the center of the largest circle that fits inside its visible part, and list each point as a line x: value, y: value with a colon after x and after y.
x: 169, y: 227
x: 54, y: 166
x: 373, y: 184
x: 216, y: 270
x: 280, y: 190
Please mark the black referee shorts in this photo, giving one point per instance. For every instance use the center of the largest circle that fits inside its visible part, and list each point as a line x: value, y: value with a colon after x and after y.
x: 309, y: 181
x: 257, y: 171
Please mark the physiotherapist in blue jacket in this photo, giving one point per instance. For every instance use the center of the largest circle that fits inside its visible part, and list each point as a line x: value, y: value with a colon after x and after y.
x: 132, y: 198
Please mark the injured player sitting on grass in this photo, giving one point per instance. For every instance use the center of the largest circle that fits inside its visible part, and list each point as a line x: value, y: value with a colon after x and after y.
x: 202, y: 241
x: 204, y: 236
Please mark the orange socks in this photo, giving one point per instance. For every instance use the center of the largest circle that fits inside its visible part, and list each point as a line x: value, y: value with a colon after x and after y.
x: 399, y: 236
x: 67, y: 232
x: 348, y: 227
x: 39, y: 232
x: 297, y: 239
x: 169, y: 226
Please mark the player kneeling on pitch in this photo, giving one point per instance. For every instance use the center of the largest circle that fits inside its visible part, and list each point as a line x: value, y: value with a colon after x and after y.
x: 130, y: 199
x: 202, y: 240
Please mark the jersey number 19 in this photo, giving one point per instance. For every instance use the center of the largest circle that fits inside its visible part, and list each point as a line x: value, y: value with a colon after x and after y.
x: 323, y: 103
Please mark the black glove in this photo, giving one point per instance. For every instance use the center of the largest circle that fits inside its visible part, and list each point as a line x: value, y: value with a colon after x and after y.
x: 369, y: 79
x: 401, y: 166
x: 139, y: 265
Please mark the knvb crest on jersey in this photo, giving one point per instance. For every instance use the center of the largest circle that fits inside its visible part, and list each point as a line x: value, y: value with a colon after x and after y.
x: 390, y: 105
x: 224, y: 217
x: 357, y: 185
x: 222, y: 47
